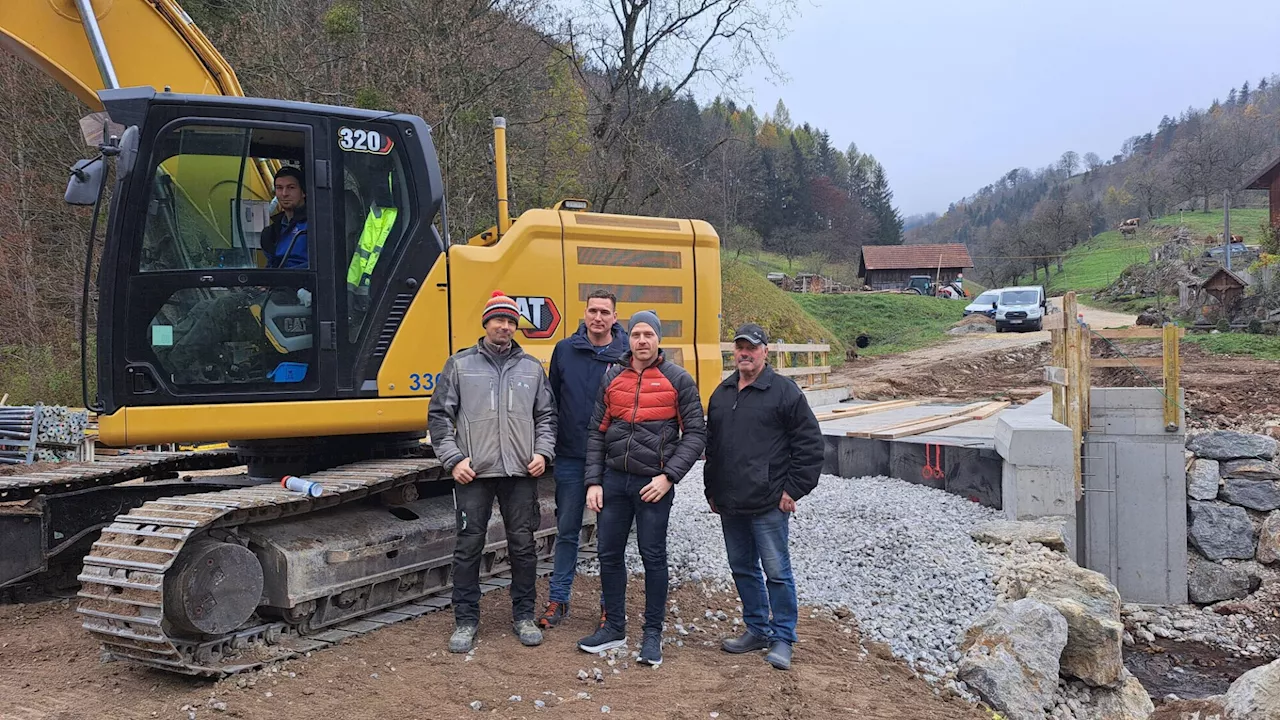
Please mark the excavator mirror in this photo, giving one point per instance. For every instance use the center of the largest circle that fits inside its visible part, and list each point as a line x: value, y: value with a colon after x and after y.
x: 85, y: 182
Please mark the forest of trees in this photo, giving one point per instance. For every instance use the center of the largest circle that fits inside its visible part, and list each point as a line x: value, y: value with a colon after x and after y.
x: 599, y: 99
x: 1025, y: 221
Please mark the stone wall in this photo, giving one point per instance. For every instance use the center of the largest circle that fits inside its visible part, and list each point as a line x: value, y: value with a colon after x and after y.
x: 1233, y: 513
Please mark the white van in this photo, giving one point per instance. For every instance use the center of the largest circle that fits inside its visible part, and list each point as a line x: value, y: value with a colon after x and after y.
x: 1021, y: 308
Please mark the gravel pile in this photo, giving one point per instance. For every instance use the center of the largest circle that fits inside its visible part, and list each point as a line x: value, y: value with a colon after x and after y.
x: 897, y: 555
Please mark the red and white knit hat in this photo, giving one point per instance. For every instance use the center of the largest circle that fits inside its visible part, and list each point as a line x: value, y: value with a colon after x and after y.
x: 499, y: 305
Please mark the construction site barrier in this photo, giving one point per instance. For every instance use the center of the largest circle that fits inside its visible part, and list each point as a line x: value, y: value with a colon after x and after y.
x: 806, y: 363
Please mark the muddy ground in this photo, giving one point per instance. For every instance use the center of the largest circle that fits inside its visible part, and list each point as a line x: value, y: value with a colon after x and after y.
x: 49, y: 668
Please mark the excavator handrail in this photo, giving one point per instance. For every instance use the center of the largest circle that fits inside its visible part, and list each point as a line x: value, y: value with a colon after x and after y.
x: 151, y: 43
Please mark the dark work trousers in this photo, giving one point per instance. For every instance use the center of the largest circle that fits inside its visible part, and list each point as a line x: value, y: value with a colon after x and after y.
x: 518, y: 501
x: 622, y: 505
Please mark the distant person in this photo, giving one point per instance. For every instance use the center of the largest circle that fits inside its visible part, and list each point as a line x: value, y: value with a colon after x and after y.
x: 646, y: 431
x: 578, y: 364
x: 494, y: 449
x: 764, y: 453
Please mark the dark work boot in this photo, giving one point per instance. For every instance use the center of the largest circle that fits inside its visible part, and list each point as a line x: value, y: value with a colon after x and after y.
x: 744, y: 643
x: 780, y: 655
x: 556, y: 612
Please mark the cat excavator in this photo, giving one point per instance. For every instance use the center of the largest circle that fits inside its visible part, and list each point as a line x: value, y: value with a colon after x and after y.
x: 322, y: 369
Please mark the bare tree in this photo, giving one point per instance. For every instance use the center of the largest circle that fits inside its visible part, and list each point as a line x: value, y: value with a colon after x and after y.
x: 1069, y: 161
x: 636, y: 57
x: 1150, y: 188
x: 1092, y: 161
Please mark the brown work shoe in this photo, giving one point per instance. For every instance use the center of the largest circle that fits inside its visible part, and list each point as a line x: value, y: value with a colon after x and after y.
x: 555, y: 612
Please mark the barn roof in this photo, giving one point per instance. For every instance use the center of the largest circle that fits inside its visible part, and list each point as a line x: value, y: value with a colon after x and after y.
x: 915, y: 257
x: 1264, y: 178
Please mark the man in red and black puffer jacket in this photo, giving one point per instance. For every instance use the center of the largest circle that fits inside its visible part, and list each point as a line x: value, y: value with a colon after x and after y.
x: 646, y: 432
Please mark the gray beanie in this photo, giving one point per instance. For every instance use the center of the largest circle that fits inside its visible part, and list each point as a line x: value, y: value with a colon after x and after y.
x: 649, y: 318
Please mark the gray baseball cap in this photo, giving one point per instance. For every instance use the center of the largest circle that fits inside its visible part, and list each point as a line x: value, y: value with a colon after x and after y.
x: 753, y: 334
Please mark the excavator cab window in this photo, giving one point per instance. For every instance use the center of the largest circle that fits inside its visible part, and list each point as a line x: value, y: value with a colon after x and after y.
x: 211, y: 191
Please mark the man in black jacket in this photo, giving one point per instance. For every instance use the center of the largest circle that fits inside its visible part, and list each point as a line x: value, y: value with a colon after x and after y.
x: 764, y: 452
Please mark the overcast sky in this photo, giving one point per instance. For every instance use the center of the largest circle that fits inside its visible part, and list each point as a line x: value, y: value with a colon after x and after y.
x: 951, y: 94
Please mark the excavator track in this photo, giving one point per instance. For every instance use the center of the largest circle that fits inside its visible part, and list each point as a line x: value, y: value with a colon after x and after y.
x: 124, y: 579
x: 110, y: 471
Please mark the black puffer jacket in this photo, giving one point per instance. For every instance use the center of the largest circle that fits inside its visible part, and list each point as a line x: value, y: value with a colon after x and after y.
x: 761, y: 440
x: 648, y: 423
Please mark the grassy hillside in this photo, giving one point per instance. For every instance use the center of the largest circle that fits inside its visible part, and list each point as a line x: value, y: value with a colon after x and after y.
x: 1266, y: 347
x: 895, y: 323
x: 746, y: 296
x: 1095, y: 264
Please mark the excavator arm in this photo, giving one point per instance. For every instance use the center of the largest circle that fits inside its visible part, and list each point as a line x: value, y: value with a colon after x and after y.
x: 123, y: 43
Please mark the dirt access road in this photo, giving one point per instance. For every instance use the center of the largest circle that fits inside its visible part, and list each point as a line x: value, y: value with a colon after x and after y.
x: 873, y: 377
x: 49, y: 668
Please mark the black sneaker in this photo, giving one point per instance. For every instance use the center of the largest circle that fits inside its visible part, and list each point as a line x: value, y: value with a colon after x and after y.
x: 554, y: 614
x: 605, y: 638
x: 651, y: 649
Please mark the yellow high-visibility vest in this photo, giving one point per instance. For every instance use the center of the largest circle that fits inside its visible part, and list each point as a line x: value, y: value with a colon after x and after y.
x: 377, y: 227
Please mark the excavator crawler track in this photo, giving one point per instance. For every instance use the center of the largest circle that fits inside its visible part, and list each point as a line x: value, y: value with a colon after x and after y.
x: 110, y: 471
x: 123, y: 582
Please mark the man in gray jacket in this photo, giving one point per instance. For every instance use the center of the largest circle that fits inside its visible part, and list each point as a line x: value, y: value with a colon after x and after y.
x: 493, y: 426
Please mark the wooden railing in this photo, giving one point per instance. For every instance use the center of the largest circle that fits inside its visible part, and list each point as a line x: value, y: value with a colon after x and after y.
x: 805, y: 363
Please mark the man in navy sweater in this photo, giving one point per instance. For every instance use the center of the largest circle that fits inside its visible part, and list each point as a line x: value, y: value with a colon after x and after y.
x: 577, y: 365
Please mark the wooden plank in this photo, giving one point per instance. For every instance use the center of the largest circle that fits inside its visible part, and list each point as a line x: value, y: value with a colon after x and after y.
x: 1055, y: 375
x: 786, y: 347
x: 1131, y: 333
x: 1078, y: 353
x: 870, y: 409
x: 799, y: 371
x: 1172, y: 369
x: 1155, y: 363
x: 982, y: 413
x: 966, y: 410
x: 1053, y: 321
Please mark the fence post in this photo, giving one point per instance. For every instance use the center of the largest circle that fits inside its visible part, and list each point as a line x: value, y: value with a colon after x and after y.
x: 1172, y: 370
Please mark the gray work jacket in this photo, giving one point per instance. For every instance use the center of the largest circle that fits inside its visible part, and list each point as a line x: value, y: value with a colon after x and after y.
x: 496, y: 410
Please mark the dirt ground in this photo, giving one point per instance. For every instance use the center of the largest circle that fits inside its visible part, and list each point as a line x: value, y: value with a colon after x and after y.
x: 49, y: 668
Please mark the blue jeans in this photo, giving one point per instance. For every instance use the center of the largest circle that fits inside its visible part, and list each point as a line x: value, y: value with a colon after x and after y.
x: 622, y: 505
x: 571, y: 501
x: 752, y: 541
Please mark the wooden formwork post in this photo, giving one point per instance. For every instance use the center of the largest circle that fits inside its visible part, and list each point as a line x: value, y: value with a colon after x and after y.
x: 1077, y: 358
x: 1058, y: 348
x: 1172, y: 372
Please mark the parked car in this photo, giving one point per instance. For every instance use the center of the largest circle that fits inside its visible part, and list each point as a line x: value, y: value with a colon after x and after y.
x: 1020, y: 308
x: 984, y: 304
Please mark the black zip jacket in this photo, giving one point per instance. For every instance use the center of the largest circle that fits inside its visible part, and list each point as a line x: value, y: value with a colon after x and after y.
x: 760, y: 441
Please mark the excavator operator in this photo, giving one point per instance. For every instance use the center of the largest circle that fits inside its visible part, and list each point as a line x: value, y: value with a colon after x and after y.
x: 284, y: 241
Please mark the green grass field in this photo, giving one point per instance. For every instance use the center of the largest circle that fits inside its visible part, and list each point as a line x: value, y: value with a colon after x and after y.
x: 1246, y: 222
x: 1265, y: 347
x: 746, y: 296
x: 895, y: 323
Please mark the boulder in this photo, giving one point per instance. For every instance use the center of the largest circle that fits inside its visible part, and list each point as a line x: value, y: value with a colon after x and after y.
x: 1269, y: 539
x: 1210, y: 582
x: 1231, y: 445
x: 1260, y: 495
x: 1095, y: 634
x: 1255, y: 695
x: 1005, y: 532
x: 1011, y: 658
x: 1203, y: 479
x: 1130, y: 701
x: 1250, y: 469
x: 1220, y: 531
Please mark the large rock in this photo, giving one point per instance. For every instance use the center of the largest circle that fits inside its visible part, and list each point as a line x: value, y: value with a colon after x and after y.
x: 1255, y: 695
x: 1210, y: 582
x: 1011, y: 658
x: 1250, y: 469
x: 1231, y: 445
x: 1095, y: 634
x: 1128, y: 702
x: 1260, y: 495
x: 1006, y: 532
x: 1203, y: 480
x: 1220, y: 531
x: 1269, y: 539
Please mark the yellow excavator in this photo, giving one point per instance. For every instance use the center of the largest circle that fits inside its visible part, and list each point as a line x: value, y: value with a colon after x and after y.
x: 322, y: 365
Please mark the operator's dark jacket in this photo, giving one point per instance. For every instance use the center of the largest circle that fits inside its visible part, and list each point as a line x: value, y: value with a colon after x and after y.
x: 647, y: 423
x: 760, y: 441
x: 577, y: 367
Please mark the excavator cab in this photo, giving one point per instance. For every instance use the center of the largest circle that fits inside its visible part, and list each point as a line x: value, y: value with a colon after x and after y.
x: 190, y: 311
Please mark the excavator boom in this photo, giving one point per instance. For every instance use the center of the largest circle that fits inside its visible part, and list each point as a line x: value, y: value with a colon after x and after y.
x: 138, y: 43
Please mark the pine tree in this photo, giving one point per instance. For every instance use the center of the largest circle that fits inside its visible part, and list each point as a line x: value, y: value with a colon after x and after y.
x: 1262, y: 85
x: 782, y: 116
x: 1244, y: 93
x: 886, y: 215
x: 1231, y: 98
